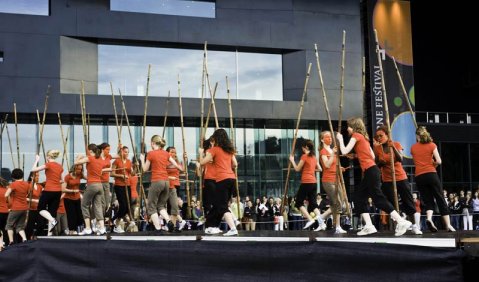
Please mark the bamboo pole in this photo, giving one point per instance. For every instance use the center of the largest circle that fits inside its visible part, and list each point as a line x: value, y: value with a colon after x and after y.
x: 116, y: 115
x: 42, y: 147
x: 64, y: 142
x: 143, y: 146
x: 232, y: 136
x: 209, y: 87
x: 42, y: 126
x: 88, y: 128
x: 305, y: 91
x: 10, y: 146
x: 388, y: 124
x: 16, y: 133
x: 202, y: 137
x: 406, y: 97
x: 205, y: 125
x: 166, y: 115
x: 339, y: 174
x: 83, y: 117
x: 185, y: 158
x: 4, y: 122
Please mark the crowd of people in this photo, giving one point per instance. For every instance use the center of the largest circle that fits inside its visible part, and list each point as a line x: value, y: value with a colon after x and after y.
x: 60, y: 206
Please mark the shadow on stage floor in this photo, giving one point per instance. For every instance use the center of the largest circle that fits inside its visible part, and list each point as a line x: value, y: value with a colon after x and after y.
x: 251, y: 256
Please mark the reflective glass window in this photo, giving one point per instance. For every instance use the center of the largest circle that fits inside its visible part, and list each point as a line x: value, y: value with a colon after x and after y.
x: 204, y: 9
x: 26, y: 7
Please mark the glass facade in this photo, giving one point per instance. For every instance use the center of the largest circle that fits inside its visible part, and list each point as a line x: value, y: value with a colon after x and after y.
x: 204, y: 9
x: 251, y: 76
x: 26, y: 7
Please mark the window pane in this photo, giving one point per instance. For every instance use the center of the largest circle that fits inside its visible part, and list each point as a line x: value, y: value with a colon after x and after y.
x: 259, y: 77
x: 27, y: 145
x: 27, y: 7
x: 96, y: 137
x: 203, y: 9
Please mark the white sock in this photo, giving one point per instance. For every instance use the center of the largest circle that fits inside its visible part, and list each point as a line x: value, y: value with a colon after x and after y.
x: 367, y: 219
x: 46, y: 215
x: 395, y: 216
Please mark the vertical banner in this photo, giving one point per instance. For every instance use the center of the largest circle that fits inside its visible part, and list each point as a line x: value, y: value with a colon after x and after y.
x: 392, y: 20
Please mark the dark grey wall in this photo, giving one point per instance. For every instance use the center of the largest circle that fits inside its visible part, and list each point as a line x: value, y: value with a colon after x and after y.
x: 60, y: 50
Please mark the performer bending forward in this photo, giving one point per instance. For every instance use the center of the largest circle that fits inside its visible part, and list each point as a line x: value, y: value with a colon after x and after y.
x: 383, y: 159
x: 307, y: 190
x: 222, y: 155
x: 426, y: 159
x: 371, y: 183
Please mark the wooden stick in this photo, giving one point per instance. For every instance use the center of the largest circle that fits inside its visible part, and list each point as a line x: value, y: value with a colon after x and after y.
x: 209, y: 87
x: 305, y: 91
x: 143, y: 146
x: 88, y: 128
x: 83, y: 116
x: 42, y: 126
x: 209, y: 112
x: 185, y: 158
x: 166, y: 115
x: 42, y: 147
x: 16, y: 133
x: 406, y: 97
x: 232, y: 134
x: 386, y: 109
x: 4, y: 122
x: 10, y: 146
x: 64, y: 142
x: 339, y: 175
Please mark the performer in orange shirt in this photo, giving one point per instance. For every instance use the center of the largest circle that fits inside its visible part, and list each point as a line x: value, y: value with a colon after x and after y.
x: 33, y: 227
x: 72, y: 198
x: 3, y: 210
x: 426, y: 158
x: 307, y: 190
x: 17, y: 193
x: 371, y: 183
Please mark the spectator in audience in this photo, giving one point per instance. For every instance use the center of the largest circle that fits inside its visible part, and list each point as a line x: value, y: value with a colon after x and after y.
x: 475, y: 209
x: 249, y: 216
x: 467, y: 211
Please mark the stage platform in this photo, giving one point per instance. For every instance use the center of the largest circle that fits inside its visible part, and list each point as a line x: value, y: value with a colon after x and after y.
x: 250, y: 256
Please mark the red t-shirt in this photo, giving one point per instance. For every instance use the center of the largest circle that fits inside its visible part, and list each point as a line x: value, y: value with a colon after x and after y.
x: 19, y: 195
x: 133, y: 184
x: 37, y: 192
x: 61, y: 207
x: 159, y: 160
x: 422, y: 156
x: 386, y: 168
x: 119, y: 164
x: 329, y: 174
x: 73, y: 183
x: 173, y: 171
x: 94, y: 168
x: 53, y: 173
x: 308, y: 174
x: 223, y: 164
x: 363, y: 150
x: 3, y: 200
x: 105, y: 176
x: 210, y: 172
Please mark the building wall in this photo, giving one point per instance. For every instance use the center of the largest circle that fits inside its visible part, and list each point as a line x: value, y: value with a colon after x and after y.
x: 60, y: 50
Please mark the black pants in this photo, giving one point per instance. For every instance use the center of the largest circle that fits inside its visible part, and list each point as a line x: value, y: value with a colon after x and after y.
x: 120, y: 193
x: 307, y: 191
x: 74, y: 214
x: 49, y: 201
x: 430, y: 188
x: 208, y: 195
x: 371, y: 187
x: 221, y: 197
x: 3, y: 222
x: 404, y: 191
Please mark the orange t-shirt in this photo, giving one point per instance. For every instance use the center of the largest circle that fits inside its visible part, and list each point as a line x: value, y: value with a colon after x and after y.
x: 173, y: 171
x: 105, y: 176
x: 422, y: 156
x: 61, y: 207
x: 386, y: 168
x: 73, y: 183
x: 133, y: 184
x: 159, y: 159
x: 329, y: 174
x: 308, y: 174
x: 210, y: 172
x: 223, y: 164
x: 19, y: 195
x: 120, y: 168
x: 3, y: 200
x: 37, y: 191
x: 94, y: 167
x: 363, y: 150
x: 53, y: 173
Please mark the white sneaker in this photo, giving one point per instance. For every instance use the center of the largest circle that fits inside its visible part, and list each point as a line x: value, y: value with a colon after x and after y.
x: 367, y: 229
x: 308, y: 224
x: 451, y: 229
x: 94, y: 228
x: 232, y: 232
x: 322, y: 226
x: 181, y: 225
x: 52, y: 224
x: 118, y: 229
x: 237, y: 222
x: 319, y: 219
x: 339, y: 230
x: 85, y: 232
x: 402, y: 226
x: 102, y: 231
x: 212, y: 231
x: 200, y: 223
x: 415, y: 230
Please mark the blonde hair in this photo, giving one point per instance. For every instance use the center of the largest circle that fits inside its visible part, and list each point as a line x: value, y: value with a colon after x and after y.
x: 158, y: 140
x: 424, y: 136
x: 53, y: 154
x: 358, y: 126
